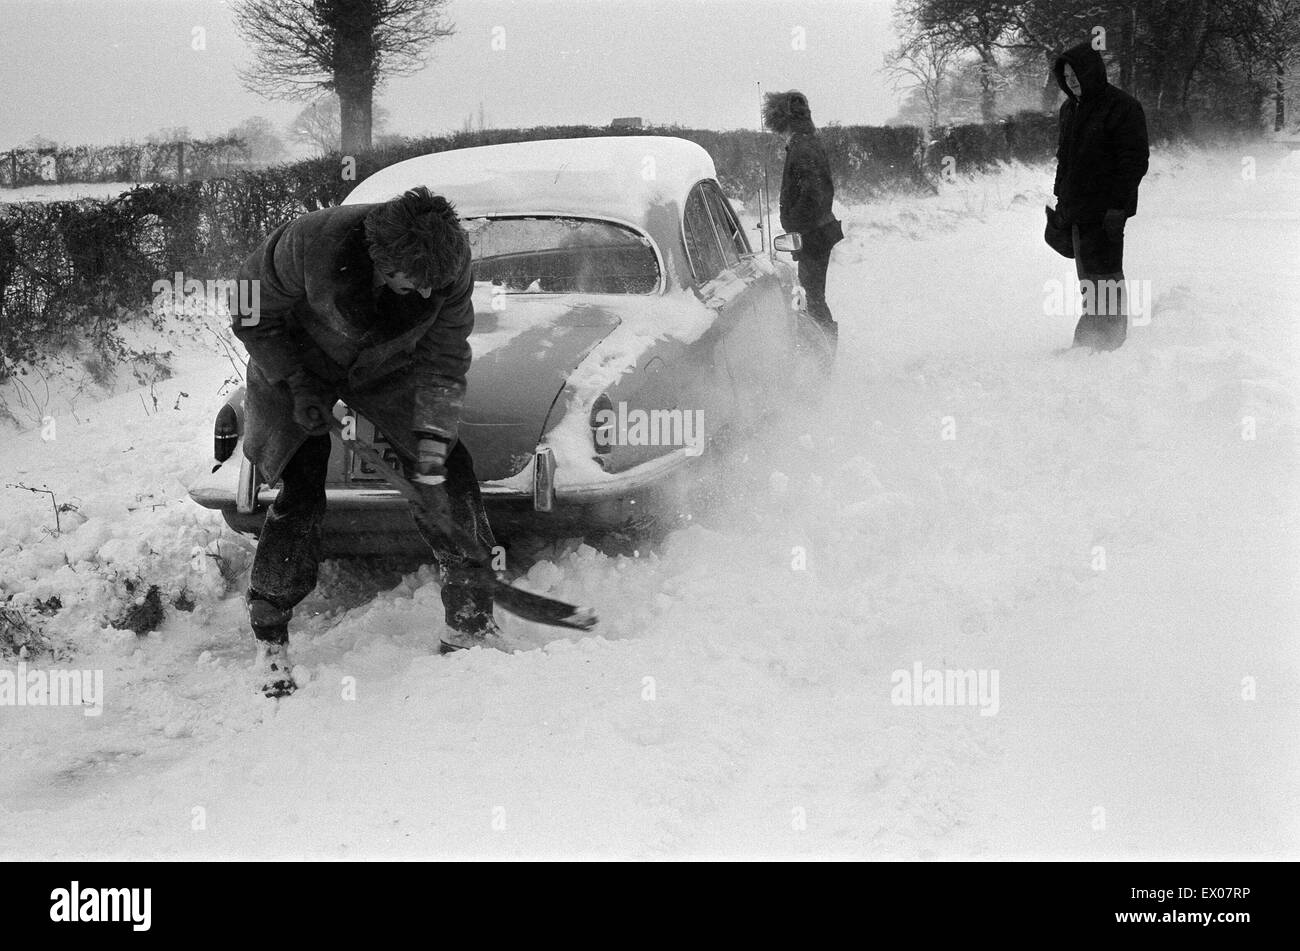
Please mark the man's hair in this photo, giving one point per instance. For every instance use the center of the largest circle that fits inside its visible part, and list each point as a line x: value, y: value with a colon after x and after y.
x: 784, y: 111
x: 419, y: 235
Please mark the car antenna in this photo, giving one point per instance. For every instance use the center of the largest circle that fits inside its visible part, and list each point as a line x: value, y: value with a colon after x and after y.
x: 766, y: 196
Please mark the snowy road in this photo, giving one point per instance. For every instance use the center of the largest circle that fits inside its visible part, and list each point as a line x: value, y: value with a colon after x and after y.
x: 1097, y: 532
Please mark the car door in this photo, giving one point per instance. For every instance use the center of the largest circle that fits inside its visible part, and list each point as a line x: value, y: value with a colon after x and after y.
x: 757, y: 322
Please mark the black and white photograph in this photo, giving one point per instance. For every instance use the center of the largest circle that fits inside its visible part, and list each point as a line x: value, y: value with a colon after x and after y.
x: 651, y: 431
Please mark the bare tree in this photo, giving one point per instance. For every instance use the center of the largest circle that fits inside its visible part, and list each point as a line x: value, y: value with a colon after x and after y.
x: 261, y: 142
x: 318, y: 124
x: 1268, y: 33
x: 169, y: 134
x: 1283, y: 49
x: 348, y: 47
x: 1041, y: 29
x: 921, y: 64
x: 979, y: 26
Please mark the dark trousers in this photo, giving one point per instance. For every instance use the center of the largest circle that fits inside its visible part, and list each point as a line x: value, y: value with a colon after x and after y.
x: 1099, y: 263
x: 289, y: 547
x: 812, y: 277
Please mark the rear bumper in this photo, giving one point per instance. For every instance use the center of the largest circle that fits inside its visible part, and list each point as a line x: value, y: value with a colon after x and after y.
x: 373, y: 519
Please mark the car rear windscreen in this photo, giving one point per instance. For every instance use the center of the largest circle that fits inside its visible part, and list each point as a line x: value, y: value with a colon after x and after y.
x: 562, y: 256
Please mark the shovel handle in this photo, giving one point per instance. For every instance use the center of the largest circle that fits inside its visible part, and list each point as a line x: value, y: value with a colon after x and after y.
x: 406, y: 489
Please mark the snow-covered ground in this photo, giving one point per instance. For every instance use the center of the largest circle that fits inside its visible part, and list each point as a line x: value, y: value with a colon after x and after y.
x: 64, y: 191
x: 1099, y: 532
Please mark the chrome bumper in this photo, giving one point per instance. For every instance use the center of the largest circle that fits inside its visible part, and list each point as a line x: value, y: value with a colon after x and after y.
x: 246, y: 495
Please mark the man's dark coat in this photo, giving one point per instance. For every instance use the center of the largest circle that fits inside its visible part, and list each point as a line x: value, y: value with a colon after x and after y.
x: 807, y: 190
x: 399, y: 360
x: 1102, y: 148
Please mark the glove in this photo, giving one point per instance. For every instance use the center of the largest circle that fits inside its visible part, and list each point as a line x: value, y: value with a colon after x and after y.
x: 1113, y: 223
x: 312, y: 405
x: 431, y: 458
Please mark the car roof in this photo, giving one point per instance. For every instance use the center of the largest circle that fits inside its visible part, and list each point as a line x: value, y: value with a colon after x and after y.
x: 621, y: 177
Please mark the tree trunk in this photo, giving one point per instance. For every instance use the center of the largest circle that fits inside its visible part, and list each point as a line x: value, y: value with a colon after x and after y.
x: 1050, y: 92
x: 354, y: 75
x: 1279, y: 98
x: 356, y: 105
x: 988, y: 95
x: 1128, y: 47
x: 1190, y: 72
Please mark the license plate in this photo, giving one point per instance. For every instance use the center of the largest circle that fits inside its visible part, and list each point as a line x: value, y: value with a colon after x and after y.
x: 362, y: 470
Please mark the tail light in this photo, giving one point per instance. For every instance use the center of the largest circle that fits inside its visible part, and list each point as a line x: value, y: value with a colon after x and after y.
x: 602, y: 424
x: 225, y: 434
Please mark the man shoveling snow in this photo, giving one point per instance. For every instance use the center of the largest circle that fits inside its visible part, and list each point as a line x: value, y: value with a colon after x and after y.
x: 369, y: 304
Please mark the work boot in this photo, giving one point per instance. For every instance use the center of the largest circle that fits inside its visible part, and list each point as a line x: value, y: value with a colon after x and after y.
x: 275, y: 669
x: 271, y: 628
x: 469, y: 619
x: 1113, y: 332
x: 829, y: 345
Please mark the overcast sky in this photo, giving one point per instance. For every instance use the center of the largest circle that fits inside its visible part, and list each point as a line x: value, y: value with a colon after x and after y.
x: 100, y: 71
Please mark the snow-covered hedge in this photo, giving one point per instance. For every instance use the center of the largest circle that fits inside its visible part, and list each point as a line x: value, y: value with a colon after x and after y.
x: 1024, y: 137
x: 76, y: 267
x: 130, y: 162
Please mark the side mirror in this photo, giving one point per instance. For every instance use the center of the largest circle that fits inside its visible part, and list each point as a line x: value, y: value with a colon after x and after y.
x: 787, y: 242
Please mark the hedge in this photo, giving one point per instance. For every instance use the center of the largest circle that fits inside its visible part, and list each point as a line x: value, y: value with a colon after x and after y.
x: 74, y: 265
x: 131, y: 162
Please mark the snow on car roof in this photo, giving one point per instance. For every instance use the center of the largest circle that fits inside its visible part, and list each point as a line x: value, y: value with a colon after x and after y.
x: 610, y: 176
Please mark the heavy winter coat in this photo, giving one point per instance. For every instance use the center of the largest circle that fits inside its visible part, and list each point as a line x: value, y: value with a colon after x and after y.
x: 806, y: 187
x: 1102, y: 150
x: 399, y: 360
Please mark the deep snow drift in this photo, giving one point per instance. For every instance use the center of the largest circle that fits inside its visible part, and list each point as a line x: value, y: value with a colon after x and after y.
x: 1099, y: 531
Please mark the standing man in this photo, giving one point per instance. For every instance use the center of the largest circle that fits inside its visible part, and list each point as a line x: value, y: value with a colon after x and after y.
x: 1101, y: 157
x: 369, y: 304
x: 806, y: 196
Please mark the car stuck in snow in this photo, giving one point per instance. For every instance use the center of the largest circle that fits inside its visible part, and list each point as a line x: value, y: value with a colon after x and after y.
x: 623, y: 322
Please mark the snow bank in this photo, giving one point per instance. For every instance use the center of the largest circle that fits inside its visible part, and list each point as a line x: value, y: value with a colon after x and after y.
x: 67, y: 191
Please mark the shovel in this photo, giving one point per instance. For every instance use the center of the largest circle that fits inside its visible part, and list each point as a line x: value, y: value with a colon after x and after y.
x: 524, y: 604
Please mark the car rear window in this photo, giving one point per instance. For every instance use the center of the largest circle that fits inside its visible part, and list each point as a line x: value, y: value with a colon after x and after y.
x: 562, y: 255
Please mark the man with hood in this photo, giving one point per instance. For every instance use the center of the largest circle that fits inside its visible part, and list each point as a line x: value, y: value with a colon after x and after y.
x: 806, y: 196
x: 1101, y: 157
x: 370, y: 304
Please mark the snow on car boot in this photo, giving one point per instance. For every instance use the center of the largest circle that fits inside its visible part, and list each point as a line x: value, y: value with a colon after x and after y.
x: 469, y: 619
x: 271, y: 628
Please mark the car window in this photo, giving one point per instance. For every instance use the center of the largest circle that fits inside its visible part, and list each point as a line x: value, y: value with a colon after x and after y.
x: 729, y: 233
x: 562, y: 255
x: 701, y: 240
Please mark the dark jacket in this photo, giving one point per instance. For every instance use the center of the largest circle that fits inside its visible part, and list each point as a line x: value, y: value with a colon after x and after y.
x: 1102, y: 149
x: 399, y: 360
x: 806, y: 187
